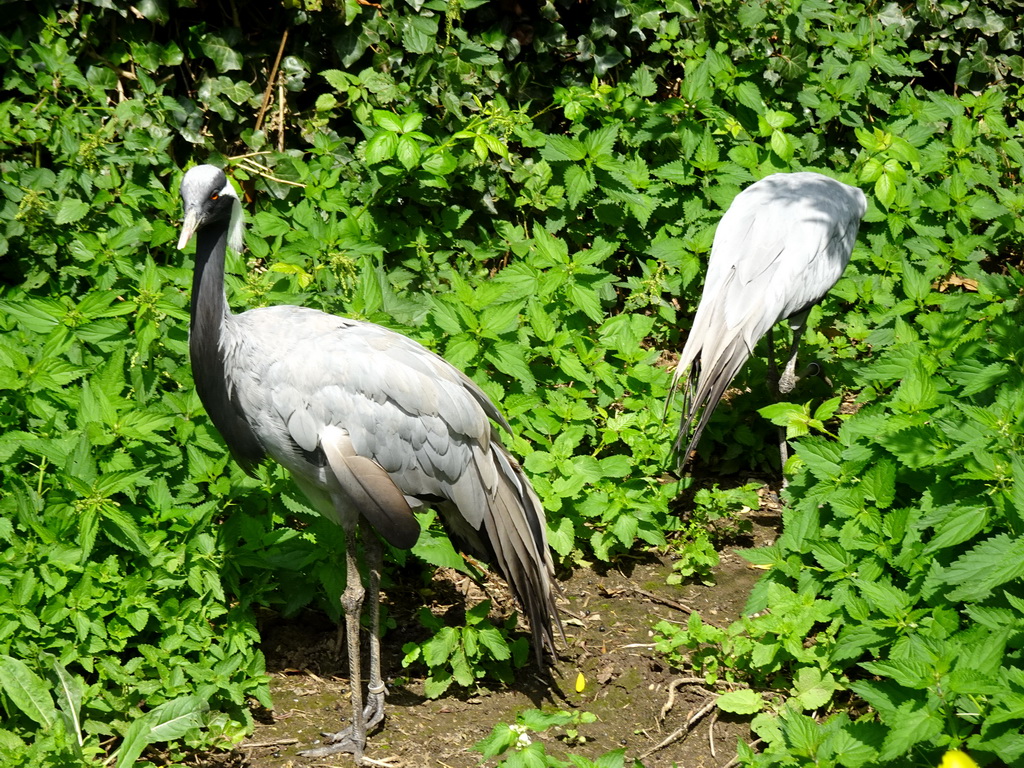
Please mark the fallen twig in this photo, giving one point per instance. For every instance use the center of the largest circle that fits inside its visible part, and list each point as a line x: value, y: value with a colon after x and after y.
x: 262, y: 170
x: 267, y: 744
x: 679, y: 733
x: 672, y: 688
x: 652, y: 597
x: 711, y: 733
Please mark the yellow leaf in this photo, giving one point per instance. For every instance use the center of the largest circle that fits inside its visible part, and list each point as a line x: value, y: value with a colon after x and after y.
x: 957, y: 759
x: 581, y: 683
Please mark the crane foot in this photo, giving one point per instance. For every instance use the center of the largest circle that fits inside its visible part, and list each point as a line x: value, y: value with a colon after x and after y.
x: 346, y: 745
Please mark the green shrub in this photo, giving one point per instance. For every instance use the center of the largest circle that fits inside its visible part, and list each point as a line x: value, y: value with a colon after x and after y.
x: 533, y: 197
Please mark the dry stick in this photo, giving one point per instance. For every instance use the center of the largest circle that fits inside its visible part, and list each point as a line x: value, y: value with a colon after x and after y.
x: 265, y: 744
x: 262, y: 170
x: 270, y: 81
x: 280, y: 117
x: 681, y: 732
x: 655, y: 598
x: 672, y: 688
x: 711, y: 733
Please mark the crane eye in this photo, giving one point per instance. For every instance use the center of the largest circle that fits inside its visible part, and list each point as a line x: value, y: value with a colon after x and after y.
x: 214, y: 196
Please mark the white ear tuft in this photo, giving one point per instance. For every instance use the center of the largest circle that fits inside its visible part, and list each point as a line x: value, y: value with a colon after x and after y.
x: 236, y: 226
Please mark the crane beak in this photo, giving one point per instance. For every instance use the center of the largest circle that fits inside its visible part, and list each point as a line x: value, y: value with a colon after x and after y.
x: 188, y: 227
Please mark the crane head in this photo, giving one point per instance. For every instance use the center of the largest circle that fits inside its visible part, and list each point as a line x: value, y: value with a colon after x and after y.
x: 208, y: 197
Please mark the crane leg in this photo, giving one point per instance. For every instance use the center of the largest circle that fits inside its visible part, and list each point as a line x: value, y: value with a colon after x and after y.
x: 776, y: 388
x: 789, y: 378
x: 373, y: 713
x: 353, y: 738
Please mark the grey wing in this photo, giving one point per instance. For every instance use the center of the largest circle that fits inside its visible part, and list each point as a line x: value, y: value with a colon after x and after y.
x: 779, y: 248
x: 399, y: 427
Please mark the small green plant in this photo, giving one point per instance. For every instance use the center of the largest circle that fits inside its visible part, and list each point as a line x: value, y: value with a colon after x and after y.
x: 466, y: 655
x: 515, y: 745
x: 716, y: 515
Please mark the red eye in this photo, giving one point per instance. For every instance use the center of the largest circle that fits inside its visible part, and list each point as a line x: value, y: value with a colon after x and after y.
x: 214, y: 196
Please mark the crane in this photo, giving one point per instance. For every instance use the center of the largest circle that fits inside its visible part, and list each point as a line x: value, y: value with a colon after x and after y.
x: 779, y: 248
x: 371, y: 426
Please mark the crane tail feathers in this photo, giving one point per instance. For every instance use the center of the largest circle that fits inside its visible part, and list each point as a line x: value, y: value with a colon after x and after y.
x: 512, y: 537
x: 516, y: 555
x: 704, y: 389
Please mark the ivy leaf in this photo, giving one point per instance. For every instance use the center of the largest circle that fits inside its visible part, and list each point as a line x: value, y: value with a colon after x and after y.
x: 224, y: 57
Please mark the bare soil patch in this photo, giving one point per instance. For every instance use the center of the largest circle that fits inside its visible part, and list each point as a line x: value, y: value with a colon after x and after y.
x: 609, y: 615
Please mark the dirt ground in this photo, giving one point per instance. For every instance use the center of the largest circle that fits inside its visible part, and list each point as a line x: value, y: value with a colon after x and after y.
x: 608, y: 618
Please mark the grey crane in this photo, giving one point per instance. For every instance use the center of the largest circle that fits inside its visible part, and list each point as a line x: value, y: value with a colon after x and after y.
x: 371, y: 425
x: 779, y: 248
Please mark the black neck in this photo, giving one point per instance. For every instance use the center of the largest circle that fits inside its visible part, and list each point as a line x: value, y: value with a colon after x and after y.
x: 208, y: 303
x: 209, y: 312
x: 210, y: 316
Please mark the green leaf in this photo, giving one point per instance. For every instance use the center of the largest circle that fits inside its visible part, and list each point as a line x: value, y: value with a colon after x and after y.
x: 561, y: 148
x: 510, y: 359
x: 437, y: 683
x: 578, y: 182
x: 562, y: 536
x: 587, y: 300
x: 408, y: 152
x: 879, y: 483
x: 171, y: 720
x: 439, y: 162
x: 436, y: 549
x: 625, y: 527
x: 389, y: 121
x: 381, y: 147
x: 914, y: 446
x: 439, y: 649
x: 961, y: 524
x: 70, y: 211
x: 418, y: 33
x: 70, y: 691
x: 813, y: 689
x: 985, y: 567
x: 742, y: 702
x: 224, y: 57
x: 911, y: 724
x: 27, y: 691
x: 491, y: 639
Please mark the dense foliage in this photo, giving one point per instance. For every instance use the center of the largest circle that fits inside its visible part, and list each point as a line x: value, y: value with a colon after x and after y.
x: 531, y: 191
